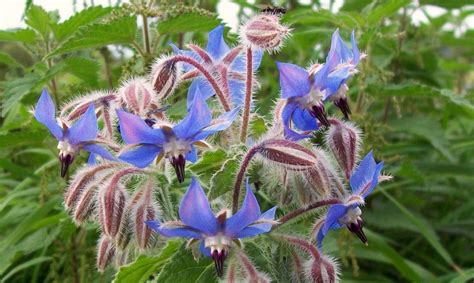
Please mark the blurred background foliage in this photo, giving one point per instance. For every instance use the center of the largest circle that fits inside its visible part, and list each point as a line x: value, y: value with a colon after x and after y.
x: 413, y: 99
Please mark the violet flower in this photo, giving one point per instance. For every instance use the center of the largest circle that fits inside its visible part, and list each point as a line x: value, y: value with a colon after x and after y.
x: 362, y: 182
x: 217, y: 49
x: 71, y: 138
x: 176, y: 143
x: 215, y: 233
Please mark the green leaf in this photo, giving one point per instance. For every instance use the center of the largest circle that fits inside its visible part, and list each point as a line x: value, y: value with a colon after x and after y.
x: 38, y: 19
x: 223, y: 180
x: 456, y: 4
x: 466, y: 276
x: 27, y: 36
x: 83, y: 68
x: 257, y: 126
x: 186, y: 22
x: 20, y: 138
x: 183, y: 268
x: 85, y: 17
x: 143, y: 267
x: 210, y: 162
x: 424, y: 228
x: 386, y: 9
x: 8, y: 60
x: 15, y: 90
x: 26, y: 265
x: 119, y: 31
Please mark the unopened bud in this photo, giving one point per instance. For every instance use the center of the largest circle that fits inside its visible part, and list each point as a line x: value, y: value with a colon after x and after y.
x: 288, y: 154
x: 137, y: 94
x: 264, y: 31
x: 105, y: 253
x: 112, y: 200
x: 143, y: 210
x: 321, y: 270
x: 85, y: 206
x: 164, y: 76
x: 322, y: 178
x: 343, y: 138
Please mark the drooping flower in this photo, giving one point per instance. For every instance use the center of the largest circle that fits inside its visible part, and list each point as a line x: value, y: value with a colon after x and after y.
x: 71, y: 138
x: 176, y: 143
x: 216, y: 233
x: 216, y: 50
x: 362, y: 182
x: 306, y: 91
x: 340, y: 65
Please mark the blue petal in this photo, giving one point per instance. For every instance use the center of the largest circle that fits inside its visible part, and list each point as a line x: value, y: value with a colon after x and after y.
x: 175, y: 232
x: 364, y: 174
x: 195, y: 211
x: 134, y: 130
x: 319, y: 238
x: 98, y: 150
x: 237, y: 92
x: 239, y: 64
x: 355, y: 50
x: 205, y: 251
x: 45, y: 113
x: 286, y: 117
x: 335, y: 212
x: 260, y: 228
x: 294, y: 80
x: 92, y: 159
x: 375, y: 180
x: 344, y: 52
x: 201, y: 87
x: 221, y: 123
x: 141, y: 156
x: 303, y: 120
x: 216, y: 45
x: 335, y: 79
x: 192, y: 155
x: 84, y: 129
x: 248, y: 214
x: 198, y: 117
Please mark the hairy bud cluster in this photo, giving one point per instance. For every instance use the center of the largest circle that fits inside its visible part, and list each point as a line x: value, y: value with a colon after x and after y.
x: 164, y: 76
x: 321, y: 270
x: 138, y: 95
x: 265, y: 32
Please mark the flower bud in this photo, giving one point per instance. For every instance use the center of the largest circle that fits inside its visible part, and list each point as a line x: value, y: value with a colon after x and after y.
x: 264, y: 31
x: 321, y: 270
x: 112, y: 200
x: 143, y: 210
x: 343, y: 138
x: 322, y: 178
x: 85, y: 206
x: 137, y: 94
x: 287, y: 154
x: 105, y: 253
x: 164, y: 76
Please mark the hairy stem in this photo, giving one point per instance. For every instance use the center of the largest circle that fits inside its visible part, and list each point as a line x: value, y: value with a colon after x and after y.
x: 248, y: 97
x: 299, y: 211
x: 146, y: 34
x: 240, y: 176
x: 220, y: 94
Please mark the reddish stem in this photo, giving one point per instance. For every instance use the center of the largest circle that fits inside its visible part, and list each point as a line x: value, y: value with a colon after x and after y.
x: 248, y: 97
x: 240, y: 176
x: 299, y: 211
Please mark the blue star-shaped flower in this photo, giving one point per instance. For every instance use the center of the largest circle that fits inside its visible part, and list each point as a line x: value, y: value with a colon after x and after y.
x: 175, y: 143
x: 217, y: 49
x: 363, y: 181
x: 72, y: 138
x: 215, y: 233
x: 306, y: 91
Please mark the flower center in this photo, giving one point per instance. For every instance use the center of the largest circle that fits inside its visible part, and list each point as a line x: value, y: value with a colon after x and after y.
x: 219, y: 246
x: 67, y: 152
x: 354, y: 222
x: 175, y: 151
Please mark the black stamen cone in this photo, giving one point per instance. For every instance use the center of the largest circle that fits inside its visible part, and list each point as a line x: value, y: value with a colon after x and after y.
x: 356, y: 228
x: 342, y: 104
x: 178, y: 164
x: 219, y: 258
x: 320, y: 114
x: 65, y: 162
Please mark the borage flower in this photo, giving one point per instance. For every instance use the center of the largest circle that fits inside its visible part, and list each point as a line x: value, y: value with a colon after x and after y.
x: 217, y: 54
x: 215, y: 233
x: 175, y: 143
x: 306, y: 90
x: 71, y: 138
x: 362, y: 182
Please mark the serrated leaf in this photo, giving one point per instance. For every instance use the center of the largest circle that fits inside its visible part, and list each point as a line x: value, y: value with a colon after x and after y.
x: 38, y: 19
x: 144, y: 266
x: 183, y: 268
x: 387, y: 8
x: 186, y: 22
x: 18, y: 35
x: 85, y: 17
x: 15, y: 90
x: 119, y: 31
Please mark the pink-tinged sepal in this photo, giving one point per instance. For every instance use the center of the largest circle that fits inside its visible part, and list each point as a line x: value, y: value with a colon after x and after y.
x: 112, y: 200
x: 164, y: 76
x: 288, y: 154
x: 105, y: 253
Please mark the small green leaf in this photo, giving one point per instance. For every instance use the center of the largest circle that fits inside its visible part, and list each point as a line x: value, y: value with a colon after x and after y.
x: 85, y: 17
x: 210, y: 162
x: 26, y: 265
x: 83, y: 68
x: 120, y: 31
x: 223, y: 180
x: 182, y: 267
x: 27, y: 36
x: 257, y: 126
x: 186, y: 22
x: 38, y: 19
x: 143, y: 267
